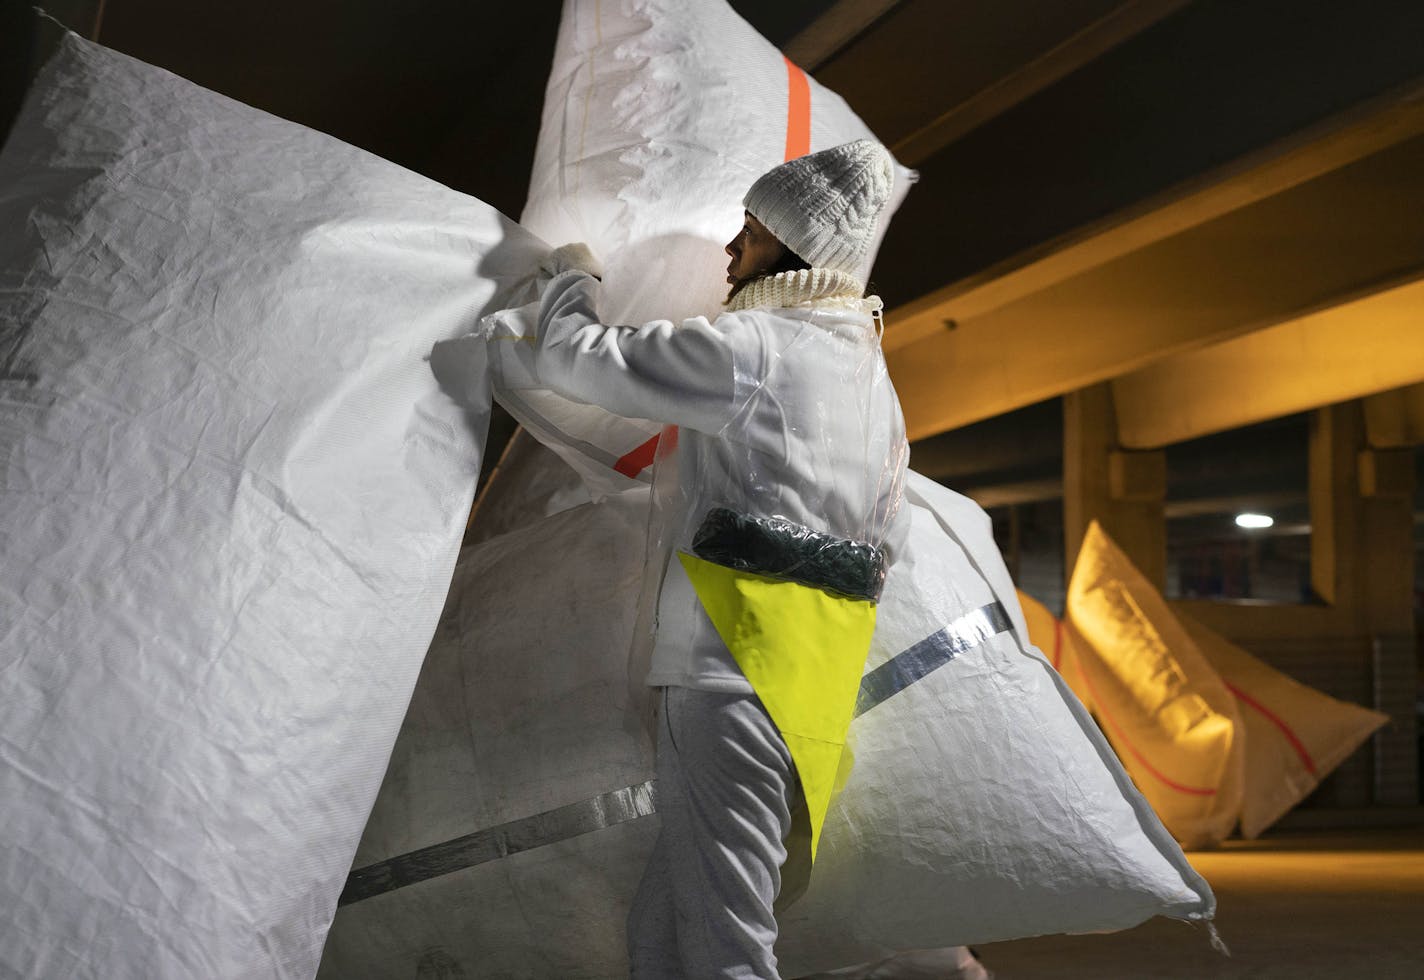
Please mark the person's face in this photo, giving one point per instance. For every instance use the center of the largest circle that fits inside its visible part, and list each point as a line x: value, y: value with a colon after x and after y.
x: 753, y: 251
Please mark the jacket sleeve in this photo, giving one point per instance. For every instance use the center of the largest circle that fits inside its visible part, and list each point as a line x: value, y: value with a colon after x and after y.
x: 680, y: 374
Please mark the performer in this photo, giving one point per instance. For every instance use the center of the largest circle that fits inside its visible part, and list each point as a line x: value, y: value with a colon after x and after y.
x: 775, y: 517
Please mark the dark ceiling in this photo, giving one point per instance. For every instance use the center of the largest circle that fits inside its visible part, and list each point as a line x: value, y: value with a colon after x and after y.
x: 449, y: 88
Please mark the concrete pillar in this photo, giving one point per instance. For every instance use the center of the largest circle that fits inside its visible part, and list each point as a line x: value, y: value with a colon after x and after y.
x: 1362, y: 562
x: 1121, y: 489
x: 1386, y: 479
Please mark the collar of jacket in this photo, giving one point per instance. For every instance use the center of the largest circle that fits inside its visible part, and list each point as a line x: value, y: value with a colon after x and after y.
x: 800, y: 288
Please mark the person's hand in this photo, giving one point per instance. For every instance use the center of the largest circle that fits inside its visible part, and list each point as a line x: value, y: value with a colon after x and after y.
x: 575, y: 255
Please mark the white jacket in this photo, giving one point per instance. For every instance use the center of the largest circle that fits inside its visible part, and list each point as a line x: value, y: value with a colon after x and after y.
x: 783, y: 413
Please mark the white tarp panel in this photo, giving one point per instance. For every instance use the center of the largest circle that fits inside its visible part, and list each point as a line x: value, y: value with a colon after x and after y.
x: 521, y: 709
x: 230, y: 499
x: 984, y: 803
x: 658, y: 116
x: 231, y: 492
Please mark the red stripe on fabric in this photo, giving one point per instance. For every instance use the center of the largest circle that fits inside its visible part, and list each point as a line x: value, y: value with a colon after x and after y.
x: 637, y: 460
x: 1296, y: 743
x: 798, y: 111
x: 667, y: 441
x: 1058, y: 645
x: 1170, y: 784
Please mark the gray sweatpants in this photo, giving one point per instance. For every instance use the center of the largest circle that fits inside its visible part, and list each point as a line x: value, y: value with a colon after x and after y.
x: 725, y: 785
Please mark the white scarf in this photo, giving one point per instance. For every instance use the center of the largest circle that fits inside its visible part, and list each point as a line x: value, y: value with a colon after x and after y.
x: 806, y: 287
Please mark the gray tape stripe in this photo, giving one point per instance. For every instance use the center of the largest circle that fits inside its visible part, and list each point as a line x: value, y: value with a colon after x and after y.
x: 931, y: 653
x: 632, y: 802
x: 549, y: 827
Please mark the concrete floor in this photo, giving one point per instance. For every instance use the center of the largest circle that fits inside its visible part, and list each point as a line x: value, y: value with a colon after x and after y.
x: 1340, y: 904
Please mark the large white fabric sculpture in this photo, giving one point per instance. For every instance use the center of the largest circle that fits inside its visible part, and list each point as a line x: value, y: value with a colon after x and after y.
x: 230, y: 500
x: 983, y: 803
x: 232, y: 492
x: 1295, y: 735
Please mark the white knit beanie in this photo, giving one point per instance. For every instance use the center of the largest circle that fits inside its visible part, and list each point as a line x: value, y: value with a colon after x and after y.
x: 823, y: 206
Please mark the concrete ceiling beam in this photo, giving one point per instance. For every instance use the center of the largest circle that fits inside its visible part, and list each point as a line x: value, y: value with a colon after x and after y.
x: 1210, y: 83
x: 819, y: 40
x: 1395, y: 419
x: 1018, y: 492
x: 1348, y: 351
x: 1364, y: 130
x: 1317, y: 244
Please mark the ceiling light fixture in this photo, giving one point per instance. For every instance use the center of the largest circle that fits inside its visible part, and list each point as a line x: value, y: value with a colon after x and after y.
x: 1254, y: 520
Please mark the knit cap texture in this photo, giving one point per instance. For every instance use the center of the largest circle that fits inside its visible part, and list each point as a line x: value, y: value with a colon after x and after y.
x: 824, y: 206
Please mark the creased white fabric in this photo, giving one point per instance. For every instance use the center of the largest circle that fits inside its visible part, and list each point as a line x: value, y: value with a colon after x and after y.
x: 231, y: 494
x: 658, y: 117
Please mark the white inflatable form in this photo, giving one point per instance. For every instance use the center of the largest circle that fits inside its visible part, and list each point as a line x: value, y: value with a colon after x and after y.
x: 231, y: 490
x: 659, y: 114
x: 983, y: 803
x: 1176, y: 725
x: 517, y: 815
x: 230, y: 500
x: 1150, y: 659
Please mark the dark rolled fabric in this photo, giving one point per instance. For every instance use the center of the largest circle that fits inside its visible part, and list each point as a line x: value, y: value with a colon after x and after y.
x: 783, y: 549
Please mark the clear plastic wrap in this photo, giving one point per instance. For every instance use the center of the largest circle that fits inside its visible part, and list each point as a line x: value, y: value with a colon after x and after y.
x: 782, y: 549
x: 814, y: 452
x: 787, y: 422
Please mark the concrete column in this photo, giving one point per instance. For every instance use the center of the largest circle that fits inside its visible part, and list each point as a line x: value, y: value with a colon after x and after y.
x: 1386, y: 480
x: 1362, y: 562
x: 1121, y: 489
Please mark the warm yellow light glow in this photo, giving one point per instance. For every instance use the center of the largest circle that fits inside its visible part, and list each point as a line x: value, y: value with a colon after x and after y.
x: 1254, y: 520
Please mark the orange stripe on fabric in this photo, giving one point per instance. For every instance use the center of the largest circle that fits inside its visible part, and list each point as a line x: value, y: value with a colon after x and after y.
x: 635, y: 461
x: 798, y: 111
x: 1170, y: 784
x: 1295, y: 742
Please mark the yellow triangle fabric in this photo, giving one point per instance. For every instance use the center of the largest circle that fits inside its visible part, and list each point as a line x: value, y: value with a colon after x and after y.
x: 803, y: 650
